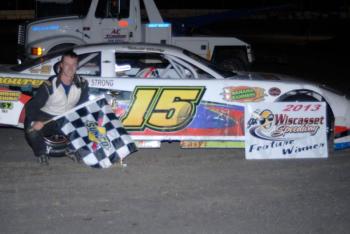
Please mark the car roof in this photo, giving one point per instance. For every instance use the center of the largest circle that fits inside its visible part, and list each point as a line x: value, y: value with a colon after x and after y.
x: 88, y: 48
x: 141, y: 47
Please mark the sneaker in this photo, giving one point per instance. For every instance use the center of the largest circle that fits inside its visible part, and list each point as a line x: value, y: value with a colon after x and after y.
x: 43, y: 159
x: 72, y: 155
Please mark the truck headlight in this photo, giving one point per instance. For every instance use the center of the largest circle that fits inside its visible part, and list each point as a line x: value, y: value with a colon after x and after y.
x: 37, y: 51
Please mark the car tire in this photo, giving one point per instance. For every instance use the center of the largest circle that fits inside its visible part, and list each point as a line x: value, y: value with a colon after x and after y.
x: 56, y: 145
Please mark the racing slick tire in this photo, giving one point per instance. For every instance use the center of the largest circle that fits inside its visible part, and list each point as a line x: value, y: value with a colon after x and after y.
x: 56, y: 145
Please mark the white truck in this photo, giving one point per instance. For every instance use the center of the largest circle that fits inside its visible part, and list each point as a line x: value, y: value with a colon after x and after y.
x: 121, y: 21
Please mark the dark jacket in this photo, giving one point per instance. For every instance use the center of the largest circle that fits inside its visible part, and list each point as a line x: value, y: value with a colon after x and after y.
x: 33, y: 107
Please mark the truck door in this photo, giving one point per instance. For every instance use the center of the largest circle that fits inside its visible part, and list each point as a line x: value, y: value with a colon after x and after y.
x: 112, y: 21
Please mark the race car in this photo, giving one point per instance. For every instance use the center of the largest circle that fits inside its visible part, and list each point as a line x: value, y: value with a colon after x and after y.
x: 164, y: 93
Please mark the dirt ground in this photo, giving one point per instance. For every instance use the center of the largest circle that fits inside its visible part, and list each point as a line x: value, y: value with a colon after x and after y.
x: 172, y: 190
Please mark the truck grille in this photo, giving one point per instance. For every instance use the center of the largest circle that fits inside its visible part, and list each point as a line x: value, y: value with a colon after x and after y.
x: 21, y: 34
x: 21, y: 39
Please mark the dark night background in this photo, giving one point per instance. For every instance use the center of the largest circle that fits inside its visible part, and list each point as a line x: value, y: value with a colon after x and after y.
x: 307, y: 38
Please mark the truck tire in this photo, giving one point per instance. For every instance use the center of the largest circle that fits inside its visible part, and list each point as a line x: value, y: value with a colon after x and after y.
x: 61, y: 47
x: 230, y: 58
x: 233, y: 64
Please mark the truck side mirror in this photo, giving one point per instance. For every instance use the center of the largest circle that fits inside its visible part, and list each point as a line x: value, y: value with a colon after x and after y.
x: 119, y: 15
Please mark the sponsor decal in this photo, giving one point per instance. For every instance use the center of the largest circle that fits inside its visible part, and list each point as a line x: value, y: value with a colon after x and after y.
x: 135, y: 47
x: 212, y: 144
x: 9, y: 95
x: 162, y: 108
x: 97, y: 135
x: 286, y: 130
x: 13, y: 81
x: 100, y: 83
x: 115, y: 36
x: 244, y: 94
x: 11, y: 106
x: 274, y: 91
x: 280, y: 126
x: 6, y: 106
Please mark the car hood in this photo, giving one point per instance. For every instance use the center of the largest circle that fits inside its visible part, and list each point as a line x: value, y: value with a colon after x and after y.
x: 53, y: 19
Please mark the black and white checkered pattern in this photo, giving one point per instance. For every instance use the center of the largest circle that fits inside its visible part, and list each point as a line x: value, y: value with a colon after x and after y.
x: 112, y: 143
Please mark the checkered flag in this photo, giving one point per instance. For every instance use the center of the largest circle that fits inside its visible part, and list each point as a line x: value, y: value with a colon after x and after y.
x: 96, y: 133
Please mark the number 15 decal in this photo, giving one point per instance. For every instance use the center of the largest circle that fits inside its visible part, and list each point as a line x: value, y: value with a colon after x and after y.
x: 162, y: 108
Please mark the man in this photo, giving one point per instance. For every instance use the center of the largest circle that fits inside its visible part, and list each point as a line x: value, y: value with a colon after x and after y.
x: 54, y: 97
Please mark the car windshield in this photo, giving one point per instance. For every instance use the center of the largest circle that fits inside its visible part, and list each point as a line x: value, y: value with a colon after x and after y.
x: 33, y: 62
x: 224, y: 73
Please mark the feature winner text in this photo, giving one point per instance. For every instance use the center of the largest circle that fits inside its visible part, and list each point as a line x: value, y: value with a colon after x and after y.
x: 287, y: 147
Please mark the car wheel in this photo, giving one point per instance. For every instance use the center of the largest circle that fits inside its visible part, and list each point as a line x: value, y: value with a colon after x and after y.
x: 56, y: 145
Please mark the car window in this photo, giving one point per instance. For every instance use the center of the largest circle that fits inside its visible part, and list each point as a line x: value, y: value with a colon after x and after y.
x: 151, y: 65
x: 89, y: 64
x: 190, y: 71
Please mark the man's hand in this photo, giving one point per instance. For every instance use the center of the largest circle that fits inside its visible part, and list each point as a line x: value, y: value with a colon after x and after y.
x: 37, y: 125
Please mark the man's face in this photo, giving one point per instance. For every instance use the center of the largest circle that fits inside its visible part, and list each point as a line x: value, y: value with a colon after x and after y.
x: 69, y: 66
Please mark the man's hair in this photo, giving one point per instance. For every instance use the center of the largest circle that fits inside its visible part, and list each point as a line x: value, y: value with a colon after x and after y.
x: 69, y: 53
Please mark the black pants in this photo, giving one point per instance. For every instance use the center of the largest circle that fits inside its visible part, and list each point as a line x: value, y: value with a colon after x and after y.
x: 36, y: 138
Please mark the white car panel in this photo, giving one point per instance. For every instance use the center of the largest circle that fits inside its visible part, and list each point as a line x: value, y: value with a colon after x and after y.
x: 180, y: 96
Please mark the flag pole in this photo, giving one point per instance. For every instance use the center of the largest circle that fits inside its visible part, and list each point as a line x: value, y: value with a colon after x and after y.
x: 44, y: 123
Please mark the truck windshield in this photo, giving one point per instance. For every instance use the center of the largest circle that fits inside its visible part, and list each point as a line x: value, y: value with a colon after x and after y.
x: 81, y: 7
x: 112, y: 9
x: 224, y: 73
x: 62, y: 8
